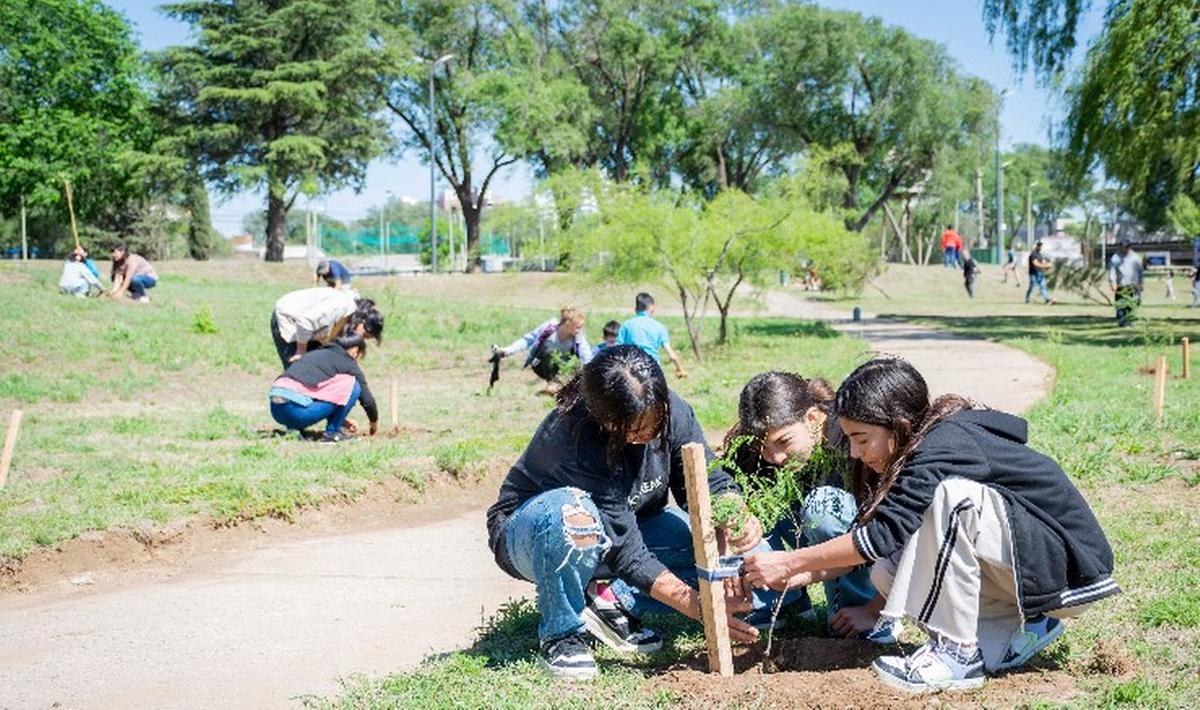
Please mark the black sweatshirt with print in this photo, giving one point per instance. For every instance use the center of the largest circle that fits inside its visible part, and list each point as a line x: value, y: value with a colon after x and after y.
x: 1061, y: 556
x: 570, y: 450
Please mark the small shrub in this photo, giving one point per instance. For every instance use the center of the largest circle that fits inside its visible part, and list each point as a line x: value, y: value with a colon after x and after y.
x: 203, y: 323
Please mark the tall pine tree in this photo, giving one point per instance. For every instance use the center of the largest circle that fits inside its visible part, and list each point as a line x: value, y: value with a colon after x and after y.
x: 277, y: 94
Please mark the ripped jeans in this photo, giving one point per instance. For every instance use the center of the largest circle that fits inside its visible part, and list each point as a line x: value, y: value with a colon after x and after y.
x: 543, y: 547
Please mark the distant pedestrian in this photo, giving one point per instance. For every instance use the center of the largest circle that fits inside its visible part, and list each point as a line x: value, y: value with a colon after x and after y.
x: 611, y: 330
x: 1038, y: 266
x: 970, y: 270
x: 333, y: 273
x: 131, y: 274
x: 1010, y: 266
x: 1170, y: 284
x: 1125, y: 278
x: 77, y: 279
x: 952, y: 247
x: 1196, y: 286
x: 648, y: 334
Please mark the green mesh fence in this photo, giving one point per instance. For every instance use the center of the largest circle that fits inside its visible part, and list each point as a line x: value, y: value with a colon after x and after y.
x: 401, y: 239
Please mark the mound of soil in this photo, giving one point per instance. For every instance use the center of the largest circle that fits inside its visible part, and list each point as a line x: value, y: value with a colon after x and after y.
x: 836, y: 673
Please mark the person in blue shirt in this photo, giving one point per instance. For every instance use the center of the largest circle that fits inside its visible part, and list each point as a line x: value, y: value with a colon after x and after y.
x: 333, y: 272
x: 648, y: 334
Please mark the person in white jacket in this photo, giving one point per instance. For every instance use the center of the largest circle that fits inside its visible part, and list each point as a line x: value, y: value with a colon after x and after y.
x: 311, y: 317
x: 77, y: 279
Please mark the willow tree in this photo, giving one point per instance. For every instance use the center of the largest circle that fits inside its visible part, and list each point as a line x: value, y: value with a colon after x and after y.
x: 278, y: 95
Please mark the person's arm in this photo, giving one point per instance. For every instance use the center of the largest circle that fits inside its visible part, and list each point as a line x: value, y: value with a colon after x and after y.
x: 525, y: 341
x: 119, y: 283
x: 367, y: 399
x: 1112, y: 272
x: 674, y: 357
x: 583, y: 348
x: 672, y: 591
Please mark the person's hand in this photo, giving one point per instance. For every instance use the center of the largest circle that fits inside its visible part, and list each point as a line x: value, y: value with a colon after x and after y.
x: 294, y: 358
x: 752, y: 533
x: 740, y: 631
x: 497, y: 350
x: 681, y: 373
x: 350, y: 425
x: 768, y: 569
x: 374, y: 428
x: 853, y: 620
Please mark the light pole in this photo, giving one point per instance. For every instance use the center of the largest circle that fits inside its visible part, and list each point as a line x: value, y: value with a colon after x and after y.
x: 999, y: 184
x: 1030, y: 234
x: 433, y: 164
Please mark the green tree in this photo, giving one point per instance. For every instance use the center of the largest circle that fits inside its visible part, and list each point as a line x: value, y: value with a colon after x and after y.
x: 469, y: 90
x: 71, y: 106
x: 841, y: 79
x: 200, y: 235
x: 279, y: 94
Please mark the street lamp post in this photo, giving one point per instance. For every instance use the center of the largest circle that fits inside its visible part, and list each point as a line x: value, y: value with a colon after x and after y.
x: 999, y: 185
x: 433, y: 164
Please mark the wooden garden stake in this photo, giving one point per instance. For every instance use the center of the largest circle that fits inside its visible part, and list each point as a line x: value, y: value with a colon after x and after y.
x: 71, y: 209
x: 704, y: 542
x: 1160, y: 388
x: 394, y: 401
x: 10, y: 442
x: 1187, y: 359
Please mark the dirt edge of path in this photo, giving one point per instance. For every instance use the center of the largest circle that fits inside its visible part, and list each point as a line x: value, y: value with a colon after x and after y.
x: 116, y: 557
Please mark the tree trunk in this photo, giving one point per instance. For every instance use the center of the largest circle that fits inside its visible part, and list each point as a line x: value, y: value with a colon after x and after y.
x: 276, y: 226
x: 688, y: 318
x: 471, y: 218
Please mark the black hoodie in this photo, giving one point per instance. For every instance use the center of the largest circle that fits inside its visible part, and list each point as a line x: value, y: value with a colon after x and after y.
x: 570, y: 450
x: 1060, y: 554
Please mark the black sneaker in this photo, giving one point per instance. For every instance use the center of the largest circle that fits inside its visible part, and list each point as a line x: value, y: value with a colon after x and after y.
x: 568, y: 658
x: 616, y: 628
x: 334, y: 437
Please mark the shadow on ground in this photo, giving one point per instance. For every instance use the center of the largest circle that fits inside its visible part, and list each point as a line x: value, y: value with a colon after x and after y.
x: 1069, y: 330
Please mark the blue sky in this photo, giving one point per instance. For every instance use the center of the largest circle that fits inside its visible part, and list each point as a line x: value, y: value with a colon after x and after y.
x: 957, y: 24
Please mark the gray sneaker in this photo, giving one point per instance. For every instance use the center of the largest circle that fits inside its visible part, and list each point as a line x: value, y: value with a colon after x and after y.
x: 1036, y: 634
x: 568, y: 658
x: 933, y: 667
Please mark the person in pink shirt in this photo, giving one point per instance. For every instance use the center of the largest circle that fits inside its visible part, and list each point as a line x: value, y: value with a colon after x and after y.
x: 131, y: 274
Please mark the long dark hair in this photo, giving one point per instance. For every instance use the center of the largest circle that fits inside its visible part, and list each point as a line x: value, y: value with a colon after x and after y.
x: 889, y: 392
x: 617, y: 388
x: 771, y: 400
x: 351, y: 338
x: 367, y: 315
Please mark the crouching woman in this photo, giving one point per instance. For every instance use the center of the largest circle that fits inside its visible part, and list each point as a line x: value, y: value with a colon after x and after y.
x: 981, y: 541
x: 324, y: 385
x: 587, y: 502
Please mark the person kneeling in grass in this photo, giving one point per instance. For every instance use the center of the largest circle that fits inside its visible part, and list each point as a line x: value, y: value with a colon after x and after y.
x: 586, y: 503
x: 786, y: 427
x: 77, y: 279
x: 324, y: 385
x: 980, y: 540
x: 131, y: 274
x: 552, y: 344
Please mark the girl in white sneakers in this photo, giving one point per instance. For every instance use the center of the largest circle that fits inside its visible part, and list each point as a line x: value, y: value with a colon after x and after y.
x: 981, y: 541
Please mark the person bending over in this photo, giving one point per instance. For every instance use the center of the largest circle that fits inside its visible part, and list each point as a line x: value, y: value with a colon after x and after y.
x: 583, y: 514
x: 981, y: 541
x: 77, y: 279
x: 552, y: 344
x: 309, y: 318
x: 131, y: 274
x: 324, y: 385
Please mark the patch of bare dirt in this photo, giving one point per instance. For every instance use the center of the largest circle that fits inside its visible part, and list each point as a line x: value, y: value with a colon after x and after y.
x: 836, y: 673
x: 150, y: 552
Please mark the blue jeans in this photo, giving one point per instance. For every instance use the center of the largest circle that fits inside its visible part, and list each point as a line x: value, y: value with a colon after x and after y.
x: 1039, y: 280
x: 950, y: 257
x: 138, y: 285
x: 826, y: 513
x: 540, y: 546
x: 296, y: 416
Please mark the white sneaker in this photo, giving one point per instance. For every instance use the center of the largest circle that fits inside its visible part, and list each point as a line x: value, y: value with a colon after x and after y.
x: 934, y: 666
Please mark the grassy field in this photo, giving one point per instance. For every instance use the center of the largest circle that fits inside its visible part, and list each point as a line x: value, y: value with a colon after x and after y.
x: 136, y: 416
x: 1141, y: 649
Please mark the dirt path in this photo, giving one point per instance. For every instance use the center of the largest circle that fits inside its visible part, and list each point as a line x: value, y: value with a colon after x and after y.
x: 264, y: 626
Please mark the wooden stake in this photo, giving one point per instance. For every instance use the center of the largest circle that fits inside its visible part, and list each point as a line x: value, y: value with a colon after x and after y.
x: 71, y: 209
x: 1187, y: 359
x: 394, y: 401
x: 704, y: 542
x: 10, y: 443
x: 1160, y: 388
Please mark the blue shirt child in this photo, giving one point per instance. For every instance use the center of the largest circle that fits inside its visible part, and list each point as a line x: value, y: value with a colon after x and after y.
x: 646, y: 333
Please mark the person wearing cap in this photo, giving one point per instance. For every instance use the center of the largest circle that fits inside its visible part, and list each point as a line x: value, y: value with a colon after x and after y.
x: 333, y: 272
x: 1125, y: 278
x: 1038, y: 266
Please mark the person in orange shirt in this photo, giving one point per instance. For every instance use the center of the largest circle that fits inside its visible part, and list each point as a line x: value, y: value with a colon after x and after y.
x: 952, y: 245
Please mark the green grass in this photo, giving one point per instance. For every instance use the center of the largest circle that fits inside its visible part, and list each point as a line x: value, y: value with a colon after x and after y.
x: 152, y: 413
